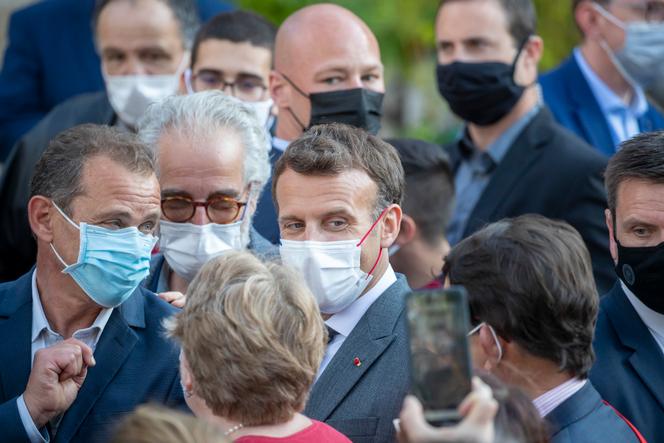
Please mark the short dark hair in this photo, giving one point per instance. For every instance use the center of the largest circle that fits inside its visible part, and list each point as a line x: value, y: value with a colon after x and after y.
x: 185, y: 13
x: 640, y: 158
x: 238, y: 27
x: 58, y: 173
x: 530, y: 278
x: 331, y: 149
x: 521, y: 17
x: 429, y: 196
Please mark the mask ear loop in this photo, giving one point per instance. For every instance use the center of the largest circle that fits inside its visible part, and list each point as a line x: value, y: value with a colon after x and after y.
x: 70, y: 222
x: 187, y: 81
x: 301, y: 92
x: 380, y: 252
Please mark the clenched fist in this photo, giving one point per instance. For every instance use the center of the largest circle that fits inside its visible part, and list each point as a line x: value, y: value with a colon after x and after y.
x: 58, y: 372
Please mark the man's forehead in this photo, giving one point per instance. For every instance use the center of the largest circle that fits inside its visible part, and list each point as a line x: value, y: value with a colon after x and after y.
x: 476, y: 18
x: 145, y: 20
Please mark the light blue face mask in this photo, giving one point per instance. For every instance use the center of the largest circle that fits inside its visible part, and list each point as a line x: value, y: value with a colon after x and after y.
x: 111, y: 263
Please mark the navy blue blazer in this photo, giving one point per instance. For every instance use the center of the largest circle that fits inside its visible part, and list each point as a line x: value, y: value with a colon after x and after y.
x: 584, y: 418
x: 135, y: 364
x: 361, y: 401
x: 629, y: 366
x: 50, y: 58
x: 265, y: 218
x: 568, y: 95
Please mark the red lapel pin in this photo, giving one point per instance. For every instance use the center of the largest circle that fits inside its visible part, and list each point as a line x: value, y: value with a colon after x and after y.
x: 357, y: 362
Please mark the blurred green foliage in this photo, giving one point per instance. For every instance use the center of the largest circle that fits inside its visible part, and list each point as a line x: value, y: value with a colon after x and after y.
x: 405, y: 29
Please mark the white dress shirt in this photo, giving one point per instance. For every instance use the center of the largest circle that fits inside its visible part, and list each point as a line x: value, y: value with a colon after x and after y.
x: 43, y: 336
x: 550, y: 400
x: 653, y: 320
x: 344, y: 321
x: 279, y: 144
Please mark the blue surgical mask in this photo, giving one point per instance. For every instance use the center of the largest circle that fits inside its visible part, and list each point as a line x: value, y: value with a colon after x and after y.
x: 111, y: 263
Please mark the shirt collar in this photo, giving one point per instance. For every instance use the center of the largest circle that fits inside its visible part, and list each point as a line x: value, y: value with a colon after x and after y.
x: 345, y: 321
x: 39, y: 321
x: 652, y: 319
x: 279, y: 144
x: 550, y: 400
x: 608, y: 101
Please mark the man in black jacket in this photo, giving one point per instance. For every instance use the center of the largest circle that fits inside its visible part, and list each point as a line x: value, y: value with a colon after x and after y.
x: 513, y: 158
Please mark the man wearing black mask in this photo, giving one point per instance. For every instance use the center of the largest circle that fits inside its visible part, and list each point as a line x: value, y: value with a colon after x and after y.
x: 513, y: 158
x: 629, y: 338
x: 327, y: 69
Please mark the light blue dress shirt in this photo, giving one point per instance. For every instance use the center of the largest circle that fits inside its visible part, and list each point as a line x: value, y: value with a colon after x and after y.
x: 623, y: 119
x: 475, y: 171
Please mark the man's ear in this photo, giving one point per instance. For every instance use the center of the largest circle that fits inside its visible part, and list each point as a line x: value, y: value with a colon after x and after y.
x: 391, y: 225
x: 40, y: 217
x: 587, y: 19
x: 407, y: 230
x: 490, y: 348
x: 613, y: 247
x: 186, y: 378
x: 279, y: 90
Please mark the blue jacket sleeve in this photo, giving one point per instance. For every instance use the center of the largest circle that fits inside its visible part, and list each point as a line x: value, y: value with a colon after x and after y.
x: 11, y: 424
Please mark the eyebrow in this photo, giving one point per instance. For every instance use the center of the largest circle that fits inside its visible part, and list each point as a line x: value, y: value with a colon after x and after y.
x: 219, y: 72
x: 227, y: 192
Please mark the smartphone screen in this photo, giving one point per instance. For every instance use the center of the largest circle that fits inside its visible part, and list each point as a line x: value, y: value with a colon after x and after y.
x: 440, y: 360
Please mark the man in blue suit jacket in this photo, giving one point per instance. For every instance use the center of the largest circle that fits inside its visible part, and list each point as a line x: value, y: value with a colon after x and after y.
x: 589, y: 93
x: 51, y: 57
x: 531, y: 293
x: 338, y: 191
x: 94, y: 210
x: 629, y: 339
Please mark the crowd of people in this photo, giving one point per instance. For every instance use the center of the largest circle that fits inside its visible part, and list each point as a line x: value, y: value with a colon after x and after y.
x: 218, y: 245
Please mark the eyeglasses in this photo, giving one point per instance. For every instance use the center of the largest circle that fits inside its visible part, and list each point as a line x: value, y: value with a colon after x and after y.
x: 245, y: 87
x: 652, y: 11
x: 221, y: 210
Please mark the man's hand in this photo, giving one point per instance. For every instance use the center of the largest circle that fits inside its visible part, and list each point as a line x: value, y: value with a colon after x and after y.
x: 58, y: 372
x: 478, y: 409
x: 175, y: 298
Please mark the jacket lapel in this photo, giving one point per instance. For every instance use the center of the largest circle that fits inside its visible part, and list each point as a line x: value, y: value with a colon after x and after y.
x: 574, y: 408
x: 647, y: 358
x: 114, y: 347
x: 518, y: 159
x: 368, y: 341
x: 16, y: 328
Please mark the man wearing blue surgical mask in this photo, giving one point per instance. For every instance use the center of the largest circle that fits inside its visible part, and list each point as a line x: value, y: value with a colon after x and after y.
x: 598, y: 92
x: 212, y: 166
x: 144, y: 48
x: 327, y: 69
x: 81, y: 340
x: 338, y: 192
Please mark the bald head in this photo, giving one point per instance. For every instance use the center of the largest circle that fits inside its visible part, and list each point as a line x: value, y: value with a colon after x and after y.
x: 321, y: 48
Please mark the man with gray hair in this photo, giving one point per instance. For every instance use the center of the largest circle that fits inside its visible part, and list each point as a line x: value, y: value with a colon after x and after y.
x: 212, y: 162
x: 144, y: 48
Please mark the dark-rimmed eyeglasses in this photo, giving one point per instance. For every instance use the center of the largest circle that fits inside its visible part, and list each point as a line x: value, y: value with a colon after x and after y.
x: 245, y: 87
x: 221, y: 210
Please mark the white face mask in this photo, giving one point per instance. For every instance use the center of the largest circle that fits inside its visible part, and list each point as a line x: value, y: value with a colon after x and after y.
x: 641, y: 60
x: 130, y: 95
x: 331, y: 270
x: 187, y: 247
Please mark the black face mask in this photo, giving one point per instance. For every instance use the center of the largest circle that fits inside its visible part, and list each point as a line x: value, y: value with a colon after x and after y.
x: 357, y: 107
x: 642, y: 270
x: 481, y: 93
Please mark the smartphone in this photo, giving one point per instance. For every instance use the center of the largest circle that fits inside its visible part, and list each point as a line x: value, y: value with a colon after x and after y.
x: 440, y: 362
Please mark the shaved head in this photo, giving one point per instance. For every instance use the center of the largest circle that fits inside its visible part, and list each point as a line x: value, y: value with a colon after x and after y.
x: 321, y: 48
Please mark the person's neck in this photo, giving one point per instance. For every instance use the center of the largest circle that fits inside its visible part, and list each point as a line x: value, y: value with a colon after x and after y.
x: 484, y: 136
x: 66, y: 306
x: 296, y: 423
x: 177, y: 283
x: 537, y: 376
x: 601, y: 64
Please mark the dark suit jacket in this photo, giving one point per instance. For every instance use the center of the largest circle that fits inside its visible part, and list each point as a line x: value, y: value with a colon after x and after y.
x: 50, y: 58
x: 265, y: 219
x: 584, y: 418
x: 258, y: 245
x: 16, y: 241
x: 573, y: 104
x: 551, y: 172
x: 361, y: 401
x: 629, y: 369
x: 135, y: 364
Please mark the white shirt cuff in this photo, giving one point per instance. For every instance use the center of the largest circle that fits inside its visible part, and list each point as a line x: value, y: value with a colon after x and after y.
x: 30, y: 428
